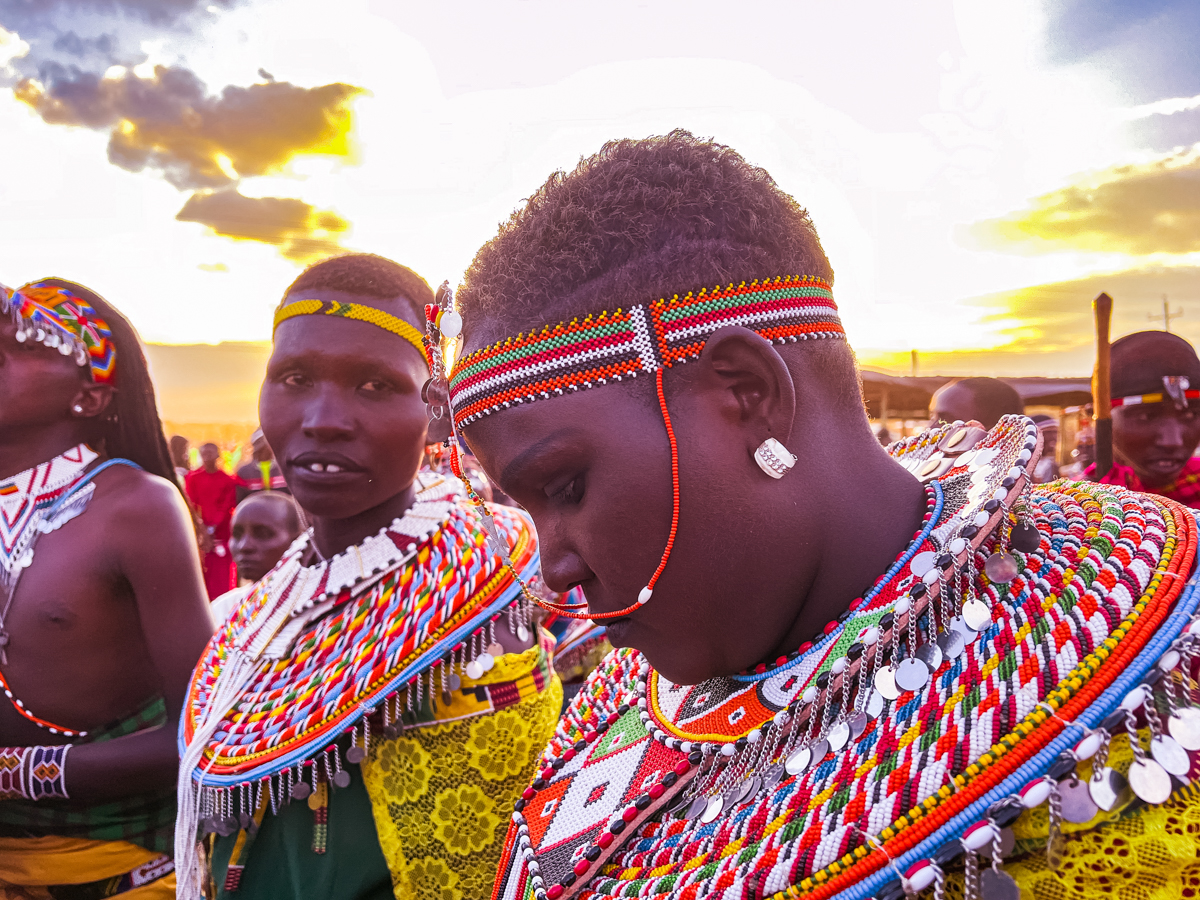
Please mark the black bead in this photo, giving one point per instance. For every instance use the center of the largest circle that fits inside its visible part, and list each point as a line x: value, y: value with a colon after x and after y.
x: 1062, y: 766
x: 558, y: 763
x: 519, y: 804
x: 1008, y: 482
x: 844, y: 616
x: 886, y: 620
x: 580, y: 745
x: 1153, y: 677
x: 642, y: 802
x: 992, y: 505
x: 1113, y: 721
x: 741, y: 744
x: 568, y: 879
x: 970, y: 531
x: 617, y: 827
x: 622, y: 709
x: 945, y: 561
x: 593, y: 853
x: 822, y: 681
x: 669, y: 779
x: 694, y: 757
x: 918, y: 590
x: 1006, y: 811
x: 601, y: 728
x: 893, y: 890
x: 855, y: 650
x: 947, y: 853
x: 538, y: 784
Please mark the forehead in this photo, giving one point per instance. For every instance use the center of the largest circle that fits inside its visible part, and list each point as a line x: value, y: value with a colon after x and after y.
x: 350, y: 339
x: 261, y: 510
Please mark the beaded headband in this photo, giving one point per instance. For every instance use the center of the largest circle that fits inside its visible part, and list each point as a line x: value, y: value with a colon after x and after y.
x: 587, y: 352
x: 357, y: 311
x: 57, y: 318
x: 1175, y: 389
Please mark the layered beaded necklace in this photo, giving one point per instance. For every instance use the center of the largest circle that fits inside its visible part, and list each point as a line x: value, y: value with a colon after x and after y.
x: 811, y: 775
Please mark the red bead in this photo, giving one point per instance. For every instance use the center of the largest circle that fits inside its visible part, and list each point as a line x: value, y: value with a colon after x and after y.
x: 629, y: 813
x: 528, y: 793
x: 857, y: 603
x: 613, y: 719
x: 781, y: 661
x: 569, y: 754
x: 829, y: 629
x: 805, y: 647
x: 554, y: 891
x: 760, y: 668
x: 656, y: 791
x: 548, y: 773
x: 682, y: 766
x: 581, y: 867
x: 590, y: 736
x: 605, y: 840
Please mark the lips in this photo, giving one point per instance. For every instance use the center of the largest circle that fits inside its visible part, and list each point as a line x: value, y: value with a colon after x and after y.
x: 324, y: 464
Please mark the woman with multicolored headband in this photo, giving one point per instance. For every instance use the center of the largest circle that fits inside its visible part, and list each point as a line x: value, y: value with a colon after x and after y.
x: 102, y: 609
x: 843, y: 671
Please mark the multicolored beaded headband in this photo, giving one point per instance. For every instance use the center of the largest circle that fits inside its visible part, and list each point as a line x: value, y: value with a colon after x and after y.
x: 357, y: 311
x: 1175, y: 388
x: 55, y: 317
x: 588, y: 352
x: 648, y: 338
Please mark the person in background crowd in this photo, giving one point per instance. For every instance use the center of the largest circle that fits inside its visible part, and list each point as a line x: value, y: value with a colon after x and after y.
x: 102, y: 608
x: 1047, y: 467
x: 1156, y: 416
x: 264, y: 526
x: 179, y: 455
x: 1083, y: 454
x: 262, y: 472
x: 213, y: 492
x: 400, y: 674
x: 985, y: 400
x: 832, y: 678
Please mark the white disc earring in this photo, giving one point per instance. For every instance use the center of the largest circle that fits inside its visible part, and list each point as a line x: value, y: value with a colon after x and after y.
x: 77, y: 408
x: 774, y: 458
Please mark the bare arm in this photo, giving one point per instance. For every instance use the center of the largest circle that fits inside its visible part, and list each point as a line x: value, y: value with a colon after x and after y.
x: 154, y: 547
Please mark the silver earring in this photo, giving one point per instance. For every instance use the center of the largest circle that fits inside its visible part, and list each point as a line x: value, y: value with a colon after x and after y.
x: 774, y: 458
x: 77, y: 408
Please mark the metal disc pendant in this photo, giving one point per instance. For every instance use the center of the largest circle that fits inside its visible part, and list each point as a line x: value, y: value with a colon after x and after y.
x: 356, y: 755
x: 474, y: 670
x: 454, y: 682
x: 773, y: 776
x: 1001, y: 568
x: 522, y: 633
x: 1150, y: 781
x: 1185, y: 727
x: 712, y: 810
x: 1170, y: 755
x: 922, y: 563
x: 1107, y: 790
x: 208, y: 826
x: 1077, y: 803
x: 342, y: 779
x: 875, y: 704
x: 951, y: 643
x: 995, y: 885
x: 496, y: 649
x: 839, y: 736
x: 912, y: 674
x: 798, y: 761
x: 959, y: 624
x: 696, y: 808
x: 244, y: 820
x: 300, y: 790
x: 858, y: 724
x: 1026, y: 537
x: 976, y: 614
x: 226, y: 827
x: 819, y: 750
x: 930, y: 654
x: 885, y: 683
x: 746, y: 790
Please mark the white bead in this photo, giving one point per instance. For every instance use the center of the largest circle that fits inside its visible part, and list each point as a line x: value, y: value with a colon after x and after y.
x: 754, y: 737
x: 1001, y: 493
x: 728, y: 750
x: 810, y: 694
x: 644, y: 596
x: 902, y: 605
x: 839, y: 666
x: 870, y: 636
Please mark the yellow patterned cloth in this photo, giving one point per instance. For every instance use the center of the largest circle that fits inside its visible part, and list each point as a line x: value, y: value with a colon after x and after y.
x: 442, y: 792
x: 42, y: 868
x: 1135, y: 852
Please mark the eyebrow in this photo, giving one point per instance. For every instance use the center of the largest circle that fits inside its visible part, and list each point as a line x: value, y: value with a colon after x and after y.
x: 512, y: 470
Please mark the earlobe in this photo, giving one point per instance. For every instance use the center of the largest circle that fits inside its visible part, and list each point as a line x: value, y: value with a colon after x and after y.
x: 92, y: 400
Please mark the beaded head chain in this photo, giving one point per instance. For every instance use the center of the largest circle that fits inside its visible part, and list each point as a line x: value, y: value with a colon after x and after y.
x: 1175, y: 389
x: 54, y: 316
x: 643, y: 339
x: 357, y: 311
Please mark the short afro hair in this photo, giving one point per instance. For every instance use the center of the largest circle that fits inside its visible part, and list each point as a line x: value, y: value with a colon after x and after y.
x: 1140, y: 360
x: 639, y: 220
x: 992, y: 398
x: 366, y: 275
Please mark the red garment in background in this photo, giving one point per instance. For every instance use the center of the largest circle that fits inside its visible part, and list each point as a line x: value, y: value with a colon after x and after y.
x: 1184, y: 489
x: 214, y: 494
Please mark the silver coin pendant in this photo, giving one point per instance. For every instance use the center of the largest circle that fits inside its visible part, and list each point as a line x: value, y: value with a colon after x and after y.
x: 1077, y: 803
x: 995, y: 885
x: 951, y: 643
x: 912, y: 674
x: 1150, y: 781
x: 1107, y: 787
x: 885, y: 683
x: 839, y: 736
x: 1167, y: 752
x: 1185, y: 727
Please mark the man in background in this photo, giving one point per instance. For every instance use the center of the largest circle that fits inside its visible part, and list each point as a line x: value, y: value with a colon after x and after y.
x: 179, y: 455
x: 1156, y: 416
x: 986, y: 400
x: 262, y: 472
x: 213, y: 493
x: 264, y: 526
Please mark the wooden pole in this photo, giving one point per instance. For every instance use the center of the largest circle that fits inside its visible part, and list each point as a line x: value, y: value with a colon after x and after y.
x: 1101, y: 391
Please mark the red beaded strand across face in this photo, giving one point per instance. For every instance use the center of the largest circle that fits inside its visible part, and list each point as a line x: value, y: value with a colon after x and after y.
x: 644, y: 339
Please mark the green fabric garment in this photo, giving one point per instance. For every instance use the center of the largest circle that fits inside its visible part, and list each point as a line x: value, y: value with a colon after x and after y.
x: 147, y: 820
x: 281, y: 864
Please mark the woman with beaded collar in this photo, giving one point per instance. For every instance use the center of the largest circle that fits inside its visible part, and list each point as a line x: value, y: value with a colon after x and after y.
x: 356, y: 724
x: 847, y: 664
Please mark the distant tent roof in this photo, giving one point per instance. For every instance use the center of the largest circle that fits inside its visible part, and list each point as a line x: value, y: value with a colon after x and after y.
x: 912, y: 395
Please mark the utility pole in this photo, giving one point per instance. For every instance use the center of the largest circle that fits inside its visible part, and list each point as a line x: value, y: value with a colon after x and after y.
x: 1166, y: 314
x: 914, y: 364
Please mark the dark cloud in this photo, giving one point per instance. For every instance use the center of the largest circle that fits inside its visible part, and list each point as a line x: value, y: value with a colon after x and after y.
x: 159, y: 12
x: 300, y: 231
x: 170, y: 122
x: 1138, y: 209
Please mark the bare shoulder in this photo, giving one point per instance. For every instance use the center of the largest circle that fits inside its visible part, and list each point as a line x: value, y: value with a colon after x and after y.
x: 127, y: 495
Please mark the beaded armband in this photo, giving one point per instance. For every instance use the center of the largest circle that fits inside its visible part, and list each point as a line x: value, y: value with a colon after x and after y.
x: 642, y: 339
x: 33, y: 773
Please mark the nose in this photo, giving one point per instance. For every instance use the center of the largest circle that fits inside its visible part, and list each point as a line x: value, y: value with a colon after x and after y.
x: 327, y: 416
x: 1170, y: 433
x: 562, y: 566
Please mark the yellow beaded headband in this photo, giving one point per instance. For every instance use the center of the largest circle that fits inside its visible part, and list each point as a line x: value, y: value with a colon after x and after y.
x: 357, y: 311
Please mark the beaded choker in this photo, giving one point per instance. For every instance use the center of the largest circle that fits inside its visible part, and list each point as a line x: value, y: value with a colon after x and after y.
x: 642, y: 339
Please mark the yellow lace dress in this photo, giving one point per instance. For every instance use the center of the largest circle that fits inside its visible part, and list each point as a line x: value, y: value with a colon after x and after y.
x: 442, y: 792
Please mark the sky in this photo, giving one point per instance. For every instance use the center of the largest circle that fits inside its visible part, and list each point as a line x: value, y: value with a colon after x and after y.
x: 977, y: 169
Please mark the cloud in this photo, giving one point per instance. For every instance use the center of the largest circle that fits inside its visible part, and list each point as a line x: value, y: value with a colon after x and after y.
x: 168, y: 121
x: 300, y: 231
x: 1135, y: 209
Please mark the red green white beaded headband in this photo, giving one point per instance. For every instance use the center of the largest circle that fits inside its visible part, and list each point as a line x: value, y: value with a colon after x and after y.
x: 1175, y: 389
x: 587, y: 352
